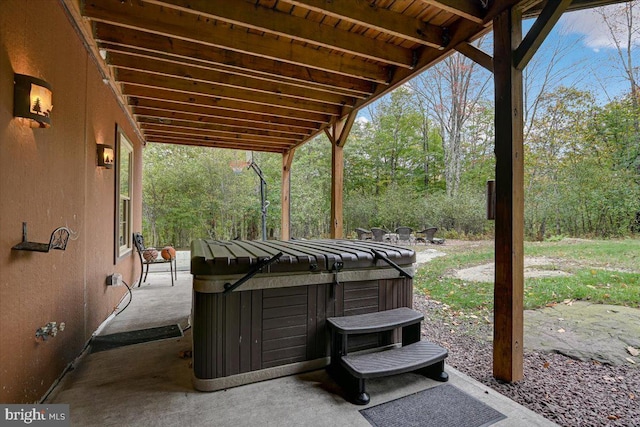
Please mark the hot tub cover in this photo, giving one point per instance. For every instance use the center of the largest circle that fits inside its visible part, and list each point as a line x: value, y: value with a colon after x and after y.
x: 216, y: 257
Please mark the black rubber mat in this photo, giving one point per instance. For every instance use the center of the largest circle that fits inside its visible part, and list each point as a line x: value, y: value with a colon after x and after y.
x: 121, y: 339
x: 440, y: 406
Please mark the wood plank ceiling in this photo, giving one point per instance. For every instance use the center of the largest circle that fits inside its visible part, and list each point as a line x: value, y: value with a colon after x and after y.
x: 268, y: 75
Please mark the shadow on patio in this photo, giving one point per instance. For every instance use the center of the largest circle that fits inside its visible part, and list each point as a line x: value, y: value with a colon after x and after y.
x: 150, y: 384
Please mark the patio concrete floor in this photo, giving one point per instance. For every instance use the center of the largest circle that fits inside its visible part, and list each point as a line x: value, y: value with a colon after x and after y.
x: 150, y: 384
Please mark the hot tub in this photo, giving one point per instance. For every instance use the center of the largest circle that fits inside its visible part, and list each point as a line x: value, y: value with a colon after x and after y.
x: 273, y: 323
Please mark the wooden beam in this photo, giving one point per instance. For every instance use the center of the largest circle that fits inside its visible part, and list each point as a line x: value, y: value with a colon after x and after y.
x: 177, y: 84
x: 343, y: 127
x: 157, y: 108
x: 281, y: 24
x: 285, y: 195
x: 135, y: 92
x: 541, y: 28
x: 206, y: 75
x: 209, y: 128
x: 476, y: 55
x: 169, y: 131
x: 471, y: 10
x: 152, y: 115
x: 509, y: 225
x: 377, y: 18
x: 191, y: 27
x: 215, y: 144
x: 113, y: 38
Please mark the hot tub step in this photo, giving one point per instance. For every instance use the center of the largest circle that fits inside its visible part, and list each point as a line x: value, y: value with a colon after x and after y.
x: 375, y: 322
x: 398, y: 360
x: 351, y: 370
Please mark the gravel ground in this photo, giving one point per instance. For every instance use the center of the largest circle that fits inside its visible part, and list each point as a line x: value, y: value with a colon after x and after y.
x: 566, y: 391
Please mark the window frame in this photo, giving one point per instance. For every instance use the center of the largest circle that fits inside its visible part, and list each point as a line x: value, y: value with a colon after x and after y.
x: 123, y: 146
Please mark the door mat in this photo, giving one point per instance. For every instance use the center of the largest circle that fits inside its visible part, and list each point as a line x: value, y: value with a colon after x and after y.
x: 121, y: 339
x: 440, y: 406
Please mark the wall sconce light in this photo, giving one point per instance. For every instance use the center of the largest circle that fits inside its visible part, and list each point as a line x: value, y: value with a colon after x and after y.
x: 105, y: 156
x: 32, y: 101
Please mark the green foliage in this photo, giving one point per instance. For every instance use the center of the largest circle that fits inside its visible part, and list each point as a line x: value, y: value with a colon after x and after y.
x: 191, y: 192
x: 582, y: 174
x: 580, y: 180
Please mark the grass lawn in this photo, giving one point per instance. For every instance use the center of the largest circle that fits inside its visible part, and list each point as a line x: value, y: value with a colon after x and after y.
x: 600, y: 271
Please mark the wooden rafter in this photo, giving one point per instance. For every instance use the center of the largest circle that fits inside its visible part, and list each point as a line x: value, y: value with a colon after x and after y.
x: 471, y: 10
x: 126, y: 40
x: 214, y: 143
x: 168, y: 22
x: 207, y: 75
x: 145, y: 114
x: 281, y: 24
x: 379, y: 19
x: 207, y: 101
x: 218, y: 91
x: 183, y: 127
x: 169, y: 109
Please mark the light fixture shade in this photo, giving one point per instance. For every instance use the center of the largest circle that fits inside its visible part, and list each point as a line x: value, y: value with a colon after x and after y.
x: 105, y: 156
x: 32, y: 101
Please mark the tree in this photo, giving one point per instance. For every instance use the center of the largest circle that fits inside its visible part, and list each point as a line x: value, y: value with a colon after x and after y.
x: 395, y: 139
x: 452, y: 89
x: 624, y: 35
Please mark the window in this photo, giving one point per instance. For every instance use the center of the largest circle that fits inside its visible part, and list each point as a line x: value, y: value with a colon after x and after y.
x: 124, y: 191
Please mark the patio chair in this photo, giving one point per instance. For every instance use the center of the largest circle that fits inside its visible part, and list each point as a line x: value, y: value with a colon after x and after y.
x: 364, y: 234
x: 404, y: 235
x: 428, y: 234
x: 150, y: 256
x: 378, y: 234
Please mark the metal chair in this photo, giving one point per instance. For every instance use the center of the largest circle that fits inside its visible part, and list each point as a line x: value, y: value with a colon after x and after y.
x: 138, y: 240
x: 378, y: 234
x: 428, y: 234
x: 364, y: 234
x: 404, y: 235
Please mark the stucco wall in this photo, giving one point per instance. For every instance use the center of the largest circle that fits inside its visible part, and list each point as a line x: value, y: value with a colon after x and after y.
x: 49, y: 178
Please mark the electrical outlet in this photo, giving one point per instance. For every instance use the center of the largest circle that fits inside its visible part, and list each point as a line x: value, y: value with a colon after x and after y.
x: 114, y: 279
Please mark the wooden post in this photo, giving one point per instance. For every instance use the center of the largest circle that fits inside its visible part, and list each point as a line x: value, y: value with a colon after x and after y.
x: 285, y: 197
x: 509, y: 247
x: 338, y: 136
x: 337, y: 185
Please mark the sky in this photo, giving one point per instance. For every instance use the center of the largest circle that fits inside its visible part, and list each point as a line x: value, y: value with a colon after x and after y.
x: 592, y: 50
x: 589, y: 59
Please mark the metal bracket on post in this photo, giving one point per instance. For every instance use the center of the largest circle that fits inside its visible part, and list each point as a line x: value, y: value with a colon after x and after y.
x: 379, y: 255
x: 337, y: 266
x: 228, y: 287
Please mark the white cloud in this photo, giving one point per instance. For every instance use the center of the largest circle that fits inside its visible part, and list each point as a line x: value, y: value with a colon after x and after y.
x: 591, y: 25
x: 362, y: 119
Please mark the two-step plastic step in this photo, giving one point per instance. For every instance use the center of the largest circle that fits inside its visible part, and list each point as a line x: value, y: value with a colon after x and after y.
x: 414, y: 355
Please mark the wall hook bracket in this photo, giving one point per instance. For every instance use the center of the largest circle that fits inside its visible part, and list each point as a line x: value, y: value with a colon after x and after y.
x: 58, y: 240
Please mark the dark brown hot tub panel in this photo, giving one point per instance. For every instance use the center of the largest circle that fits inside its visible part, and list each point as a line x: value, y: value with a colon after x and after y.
x: 275, y: 323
